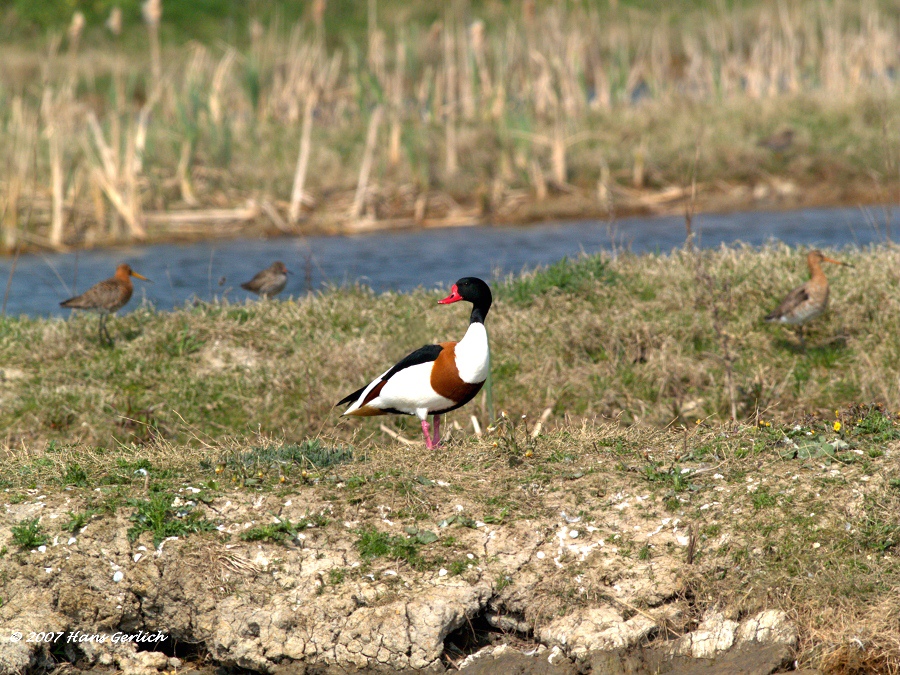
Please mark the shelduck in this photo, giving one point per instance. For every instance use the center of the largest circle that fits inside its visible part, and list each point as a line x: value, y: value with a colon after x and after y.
x: 269, y: 282
x: 107, y: 296
x: 434, y: 379
x: 809, y: 300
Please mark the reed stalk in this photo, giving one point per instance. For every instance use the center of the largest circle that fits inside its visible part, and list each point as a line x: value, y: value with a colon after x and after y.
x: 152, y: 13
x: 302, y: 159
x: 397, y: 105
x: 366, y: 166
x: 451, y: 165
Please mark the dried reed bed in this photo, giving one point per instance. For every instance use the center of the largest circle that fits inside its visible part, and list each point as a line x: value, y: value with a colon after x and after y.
x: 478, y: 117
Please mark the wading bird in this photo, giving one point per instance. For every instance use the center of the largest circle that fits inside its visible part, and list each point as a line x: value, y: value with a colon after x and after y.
x: 778, y: 142
x: 434, y: 379
x: 270, y: 282
x: 107, y: 296
x: 809, y: 300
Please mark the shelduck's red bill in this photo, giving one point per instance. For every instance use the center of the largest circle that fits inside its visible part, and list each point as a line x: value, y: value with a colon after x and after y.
x: 453, y: 297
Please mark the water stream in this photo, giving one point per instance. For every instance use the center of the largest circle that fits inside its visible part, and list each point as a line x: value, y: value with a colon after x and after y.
x: 405, y: 260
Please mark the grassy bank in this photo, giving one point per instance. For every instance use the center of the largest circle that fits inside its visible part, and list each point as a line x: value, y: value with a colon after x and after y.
x: 656, y: 340
x: 642, y: 362
x: 490, y: 112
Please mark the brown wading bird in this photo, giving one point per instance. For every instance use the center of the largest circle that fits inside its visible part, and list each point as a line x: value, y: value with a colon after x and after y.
x: 107, y: 297
x: 270, y: 282
x: 778, y: 142
x: 806, y: 302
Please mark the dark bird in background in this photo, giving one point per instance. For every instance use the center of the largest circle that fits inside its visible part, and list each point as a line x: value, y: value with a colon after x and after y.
x: 270, y: 282
x: 809, y: 300
x: 778, y: 142
x: 106, y: 297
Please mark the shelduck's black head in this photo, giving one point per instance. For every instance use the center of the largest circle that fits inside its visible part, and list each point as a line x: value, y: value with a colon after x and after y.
x: 474, y: 290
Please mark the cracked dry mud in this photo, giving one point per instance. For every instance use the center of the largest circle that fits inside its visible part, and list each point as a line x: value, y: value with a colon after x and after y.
x: 266, y: 607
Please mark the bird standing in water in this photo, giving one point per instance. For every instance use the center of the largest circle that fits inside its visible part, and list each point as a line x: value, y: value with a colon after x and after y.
x: 270, y: 282
x: 434, y: 379
x: 107, y: 296
x: 809, y: 300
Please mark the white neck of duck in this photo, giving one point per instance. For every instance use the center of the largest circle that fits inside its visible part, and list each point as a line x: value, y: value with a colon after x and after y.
x: 473, y: 356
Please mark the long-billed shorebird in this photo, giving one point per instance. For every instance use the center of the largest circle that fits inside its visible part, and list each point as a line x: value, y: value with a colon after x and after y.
x: 270, y: 282
x: 809, y: 300
x: 434, y: 379
x: 106, y: 297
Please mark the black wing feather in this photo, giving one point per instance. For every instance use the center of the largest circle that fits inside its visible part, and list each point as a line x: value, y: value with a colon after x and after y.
x: 426, y: 354
x: 349, y: 398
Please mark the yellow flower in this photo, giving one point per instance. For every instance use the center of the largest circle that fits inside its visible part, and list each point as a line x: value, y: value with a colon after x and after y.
x: 837, y: 426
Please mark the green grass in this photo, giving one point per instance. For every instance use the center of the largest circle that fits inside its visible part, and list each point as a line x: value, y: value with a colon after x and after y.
x: 813, y: 534
x: 566, y: 277
x: 29, y: 534
x: 281, y: 532
x: 78, y: 520
x: 372, y: 544
x: 575, y: 342
x: 762, y: 499
x: 794, y: 503
x: 159, y: 516
x: 313, y: 455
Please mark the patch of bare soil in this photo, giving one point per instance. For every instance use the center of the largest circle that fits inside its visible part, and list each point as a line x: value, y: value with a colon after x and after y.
x: 494, y: 600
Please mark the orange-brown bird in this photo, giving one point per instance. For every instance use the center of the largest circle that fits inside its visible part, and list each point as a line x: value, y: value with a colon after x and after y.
x: 107, y: 297
x: 809, y: 300
x: 270, y: 282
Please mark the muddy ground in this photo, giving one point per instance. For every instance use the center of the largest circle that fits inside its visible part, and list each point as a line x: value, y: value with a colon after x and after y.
x: 551, y: 592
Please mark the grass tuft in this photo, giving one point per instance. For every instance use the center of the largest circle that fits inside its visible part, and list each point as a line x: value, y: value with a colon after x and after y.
x: 29, y: 534
x: 374, y: 544
x: 567, y: 276
x: 282, y: 531
x: 159, y: 515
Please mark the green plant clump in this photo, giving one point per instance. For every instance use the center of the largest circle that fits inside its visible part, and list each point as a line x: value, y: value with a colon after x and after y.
x: 374, y: 544
x: 28, y: 534
x: 280, y: 532
x: 159, y: 516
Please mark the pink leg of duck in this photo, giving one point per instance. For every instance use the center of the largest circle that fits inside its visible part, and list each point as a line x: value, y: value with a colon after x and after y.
x: 426, y: 429
x: 436, y: 432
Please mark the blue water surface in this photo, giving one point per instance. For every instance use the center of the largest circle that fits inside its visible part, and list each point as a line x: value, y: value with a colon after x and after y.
x: 402, y: 261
